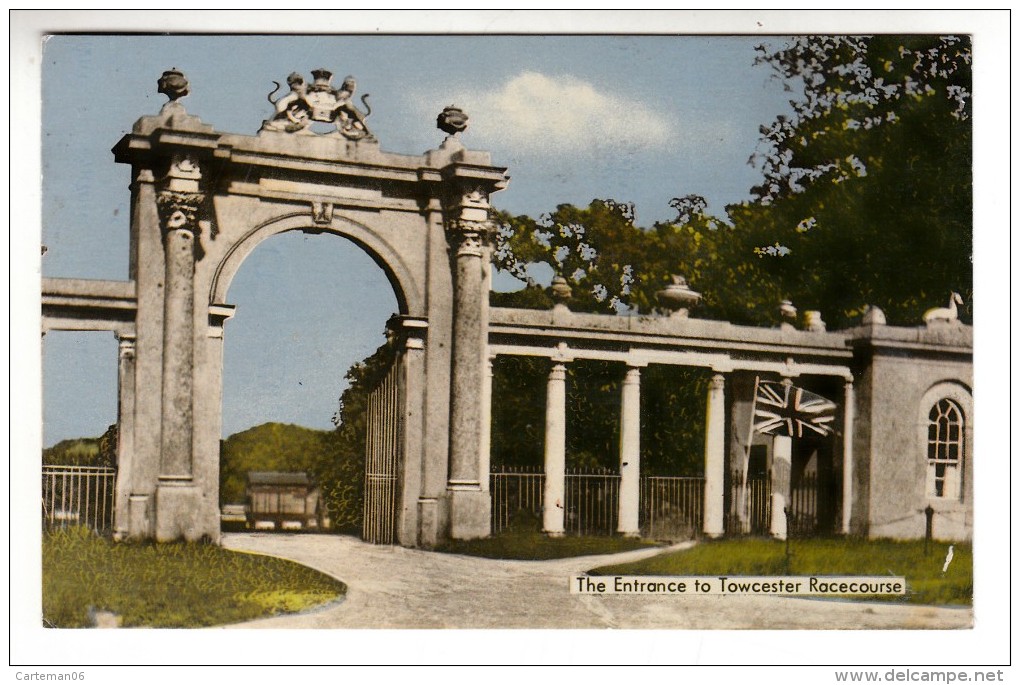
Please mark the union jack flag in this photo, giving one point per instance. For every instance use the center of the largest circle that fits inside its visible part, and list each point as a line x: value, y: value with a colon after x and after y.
x: 781, y: 409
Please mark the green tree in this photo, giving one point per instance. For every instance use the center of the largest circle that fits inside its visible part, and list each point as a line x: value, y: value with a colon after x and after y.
x: 867, y: 193
x: 101, y: 451
x: 594, y: 248
x: 342, y: 473
x: 268, y: 447
x: 615, y: 266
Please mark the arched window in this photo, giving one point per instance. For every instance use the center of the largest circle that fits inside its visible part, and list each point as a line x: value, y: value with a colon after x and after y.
x: 945, y: 449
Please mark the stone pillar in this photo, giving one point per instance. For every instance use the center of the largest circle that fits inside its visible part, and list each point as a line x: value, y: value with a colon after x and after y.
x: 782, y: 464
x: 470, y: 507
x: 435, y: 450
x: 148, y: 270
x: 125, y: 432
x: 177, y: 497
x: 207, y: 411
x: 413, y: 375
x: 715, y: 457
x: 485, y: 458
x: 630, y: 453
x: 848, y: 454
x: 554, y: 489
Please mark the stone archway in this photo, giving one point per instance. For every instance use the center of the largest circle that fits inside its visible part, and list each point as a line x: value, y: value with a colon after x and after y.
x: 203, y: 200
x: 401, y: 277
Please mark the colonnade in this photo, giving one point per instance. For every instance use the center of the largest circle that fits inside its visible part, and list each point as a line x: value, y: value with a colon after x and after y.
x: 628, y: 519
x: 715, y: 454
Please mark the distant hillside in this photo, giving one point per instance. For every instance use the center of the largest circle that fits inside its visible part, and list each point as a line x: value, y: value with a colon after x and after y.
x: 269, y: 447
x: 101, y: 451
x: 76, y: 452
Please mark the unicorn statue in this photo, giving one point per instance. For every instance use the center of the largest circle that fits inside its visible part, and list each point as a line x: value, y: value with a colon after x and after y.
x: 944, y: 314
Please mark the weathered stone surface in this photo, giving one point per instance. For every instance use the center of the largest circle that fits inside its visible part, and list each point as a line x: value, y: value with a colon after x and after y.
x: 189, y: 236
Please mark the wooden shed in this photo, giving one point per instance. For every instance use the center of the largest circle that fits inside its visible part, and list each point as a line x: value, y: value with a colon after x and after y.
x: 283, y: 499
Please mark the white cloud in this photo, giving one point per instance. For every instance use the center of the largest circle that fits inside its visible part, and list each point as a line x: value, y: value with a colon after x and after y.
x: 556, y: 113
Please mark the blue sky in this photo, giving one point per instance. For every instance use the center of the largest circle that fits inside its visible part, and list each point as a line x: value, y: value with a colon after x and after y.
x: 636, y: 119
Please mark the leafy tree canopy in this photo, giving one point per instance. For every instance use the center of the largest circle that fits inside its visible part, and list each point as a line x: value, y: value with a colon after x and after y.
x: 866, y: 199
x: 867, y: 193
x: 342, y: 474
x: 268, y: 447
x: 101, y: 451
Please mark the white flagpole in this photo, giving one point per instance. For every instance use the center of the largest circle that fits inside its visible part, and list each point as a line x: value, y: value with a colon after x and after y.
x: 743, y: 507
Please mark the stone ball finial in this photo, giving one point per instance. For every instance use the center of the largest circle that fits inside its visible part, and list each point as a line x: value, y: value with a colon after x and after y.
x: 873, y: 316
x: 173, y: 84
x: 452, y: 120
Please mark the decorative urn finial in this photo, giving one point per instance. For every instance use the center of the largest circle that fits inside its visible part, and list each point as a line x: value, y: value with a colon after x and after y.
x: 452, y: 120
x: 788, y: 315
x: 173, y: 84
x: 678, y: 297
x: 813, y: 321
x: 560, y: 290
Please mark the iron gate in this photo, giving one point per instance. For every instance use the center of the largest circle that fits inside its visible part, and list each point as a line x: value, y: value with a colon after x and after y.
x: 384, y: 441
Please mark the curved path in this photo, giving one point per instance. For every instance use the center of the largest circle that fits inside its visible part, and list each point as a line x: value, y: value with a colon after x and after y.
x: 395, y: 587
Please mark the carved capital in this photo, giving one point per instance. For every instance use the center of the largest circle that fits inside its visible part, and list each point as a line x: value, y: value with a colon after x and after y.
x: 179, y: 211
x: 470, y: 237
x: 558, y: 372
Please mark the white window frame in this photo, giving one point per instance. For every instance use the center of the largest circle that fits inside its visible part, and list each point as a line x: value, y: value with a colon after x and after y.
x: 945, y: 450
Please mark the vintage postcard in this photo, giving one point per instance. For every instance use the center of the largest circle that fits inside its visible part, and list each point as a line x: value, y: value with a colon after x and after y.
x: 664, y: 325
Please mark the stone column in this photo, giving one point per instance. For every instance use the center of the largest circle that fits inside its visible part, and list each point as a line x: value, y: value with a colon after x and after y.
x: 178, y: 348
x: 469, y: 506
x: 630, y: 453
x: 485, y: 457
x: 413, y: 374
x: 715, y: 457
x: 148, y: 270
x: 554, y: 489
x: 208, y: 419
x: 125, y: 432
x: 177, y: 498
x: 848, y: 454
x: 782, y: 464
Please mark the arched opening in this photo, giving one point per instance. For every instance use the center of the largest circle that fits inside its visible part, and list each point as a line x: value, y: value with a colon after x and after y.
x: 309, y: 308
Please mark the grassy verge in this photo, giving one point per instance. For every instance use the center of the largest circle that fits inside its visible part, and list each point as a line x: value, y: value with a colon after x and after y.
x: 536, y: 546
x: 172, y: 585
x: 925, y: 581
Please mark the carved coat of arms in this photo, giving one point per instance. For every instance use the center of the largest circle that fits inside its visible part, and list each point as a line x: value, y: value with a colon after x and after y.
x: 319, y: 101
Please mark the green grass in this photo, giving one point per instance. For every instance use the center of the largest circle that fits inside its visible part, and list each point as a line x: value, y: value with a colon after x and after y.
x: 925, y: 582
x: 536, y: 546
x: 170, y: 585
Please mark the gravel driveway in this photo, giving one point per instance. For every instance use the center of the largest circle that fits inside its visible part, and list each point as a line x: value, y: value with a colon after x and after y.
x: 395, y: 587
